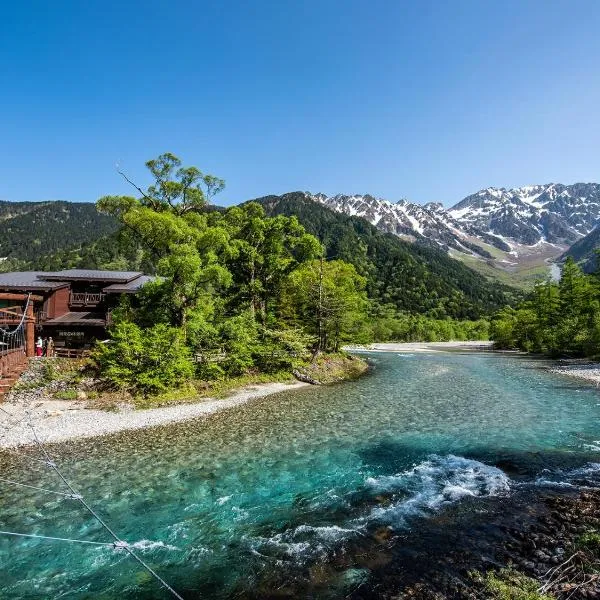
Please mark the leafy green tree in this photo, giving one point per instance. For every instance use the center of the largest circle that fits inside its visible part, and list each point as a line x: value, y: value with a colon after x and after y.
x: 558, y: 319
x: 328, y: 299
x: 574, y: 289
x: 178, y: 189
x: 265, y: 251
x: 168, y: 222
x: 225, y: 280
x: 240, y: 340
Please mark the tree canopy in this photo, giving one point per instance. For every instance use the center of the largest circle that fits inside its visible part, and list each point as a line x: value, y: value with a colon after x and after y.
x: 558, y: 318
x: 234, y: 288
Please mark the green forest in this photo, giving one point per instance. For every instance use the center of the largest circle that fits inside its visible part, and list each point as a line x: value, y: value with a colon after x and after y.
x: 410, y: 292
x: 556, y: 318
x: 264, y: 286
x: 411, y: 277
x: 236, y: 290
x: 30, y: 231
x: 272, y: 283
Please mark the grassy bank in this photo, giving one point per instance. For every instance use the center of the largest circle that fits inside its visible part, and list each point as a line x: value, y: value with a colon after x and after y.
x: 333, y: 368
x: 68, y: 380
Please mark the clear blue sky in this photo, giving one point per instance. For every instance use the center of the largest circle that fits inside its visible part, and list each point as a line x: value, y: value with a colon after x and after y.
x: 425, y: 100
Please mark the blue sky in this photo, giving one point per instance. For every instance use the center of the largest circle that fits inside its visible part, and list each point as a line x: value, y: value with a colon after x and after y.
x: 425, y: 100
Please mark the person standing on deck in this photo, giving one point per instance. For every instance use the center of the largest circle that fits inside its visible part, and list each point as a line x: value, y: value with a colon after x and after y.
x: 50, y: 347
x: 39, y: 346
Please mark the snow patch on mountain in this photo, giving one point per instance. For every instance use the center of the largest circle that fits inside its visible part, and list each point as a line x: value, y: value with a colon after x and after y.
x: 429, y: 223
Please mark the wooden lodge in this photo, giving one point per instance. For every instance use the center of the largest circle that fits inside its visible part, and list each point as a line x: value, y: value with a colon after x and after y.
x: 73, y: 306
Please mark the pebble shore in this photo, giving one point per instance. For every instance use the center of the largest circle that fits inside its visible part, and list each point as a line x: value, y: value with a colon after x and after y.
x: 589, y: 372
x: 62, y: 420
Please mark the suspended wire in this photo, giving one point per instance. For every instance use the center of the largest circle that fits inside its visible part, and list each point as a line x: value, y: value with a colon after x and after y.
x: 12, y: 343
x: 48, y: 537
x: 11, y: 426
x: 8, y: 333
x: 15, y: 340
x: 16, y: 452
x: 33, y: 487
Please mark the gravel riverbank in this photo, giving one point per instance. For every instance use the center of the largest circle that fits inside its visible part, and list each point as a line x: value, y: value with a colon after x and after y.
x: 61, y: 420
x: 467, y: 346
x: 586, y: 371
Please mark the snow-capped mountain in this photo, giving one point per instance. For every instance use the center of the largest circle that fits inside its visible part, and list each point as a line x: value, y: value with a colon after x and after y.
x: 553, y: 213
x: 519, y: 230
x: 428, y: 223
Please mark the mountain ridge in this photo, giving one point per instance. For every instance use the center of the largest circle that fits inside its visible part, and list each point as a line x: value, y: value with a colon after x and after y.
x: 417, y: 277
x: 516, y: 231
x: 513, y: 234
x: 31, y: 229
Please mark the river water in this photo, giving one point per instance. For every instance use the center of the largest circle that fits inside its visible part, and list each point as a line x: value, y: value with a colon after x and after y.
x: 272, y: 495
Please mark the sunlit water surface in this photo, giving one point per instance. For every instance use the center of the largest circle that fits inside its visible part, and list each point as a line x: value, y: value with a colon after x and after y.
x: 276, y: 485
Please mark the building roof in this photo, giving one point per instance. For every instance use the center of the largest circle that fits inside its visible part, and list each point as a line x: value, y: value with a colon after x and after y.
x: 78, y: 318
x: 28, y: 281
x: 118, y: 282
x: 131, y: 287
x: 91, y: 275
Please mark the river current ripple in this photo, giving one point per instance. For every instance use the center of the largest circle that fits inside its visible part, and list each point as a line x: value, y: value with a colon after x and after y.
x: 281, y: 493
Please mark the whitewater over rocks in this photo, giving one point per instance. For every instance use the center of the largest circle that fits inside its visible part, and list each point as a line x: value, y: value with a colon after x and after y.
x: 426, y: 488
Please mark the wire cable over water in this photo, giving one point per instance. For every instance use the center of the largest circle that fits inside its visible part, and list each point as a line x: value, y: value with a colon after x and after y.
x: 33, y: 487
x: 48, y: 537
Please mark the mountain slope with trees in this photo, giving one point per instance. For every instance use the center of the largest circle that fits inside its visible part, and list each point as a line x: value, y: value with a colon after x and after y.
x: 30, y: 230
x: 408, y: 277
x: 557, y: 318
x: 585, y: 251
x: 414, y: 278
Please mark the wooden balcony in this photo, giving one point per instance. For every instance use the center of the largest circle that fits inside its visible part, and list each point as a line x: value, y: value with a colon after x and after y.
x: 13, y: 315
x: 86, y: 299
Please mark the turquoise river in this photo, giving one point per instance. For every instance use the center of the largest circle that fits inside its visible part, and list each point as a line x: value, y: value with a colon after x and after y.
x: 280, y: 497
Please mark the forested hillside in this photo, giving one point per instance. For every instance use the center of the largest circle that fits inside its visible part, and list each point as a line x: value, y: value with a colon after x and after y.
x: 411, y: 278
x: 120, y: 251
x: 30, y: 230
x: 557, y: 318
x: 414, y: 278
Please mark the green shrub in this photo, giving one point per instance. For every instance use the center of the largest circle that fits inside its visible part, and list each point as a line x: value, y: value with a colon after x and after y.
x: 590, y: 540
x: 50, y: 372
x: 239, y: 337
x: 208, y: 370
x: 509, y: 584
x: 147, y: 361
x: 66, y: 395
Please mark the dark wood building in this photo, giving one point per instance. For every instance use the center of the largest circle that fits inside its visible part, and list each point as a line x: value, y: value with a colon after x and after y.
x: 76, y: 304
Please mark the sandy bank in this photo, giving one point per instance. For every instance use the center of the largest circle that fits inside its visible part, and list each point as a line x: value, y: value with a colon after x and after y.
x: 425, y: 346
x: 60, y: 420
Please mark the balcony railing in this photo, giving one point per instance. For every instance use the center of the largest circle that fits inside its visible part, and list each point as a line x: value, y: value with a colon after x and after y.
x: 15, y: 315
x: 86, y: 299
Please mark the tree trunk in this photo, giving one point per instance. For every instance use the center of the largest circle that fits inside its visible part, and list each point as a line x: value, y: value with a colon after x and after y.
x: 320, y: 309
